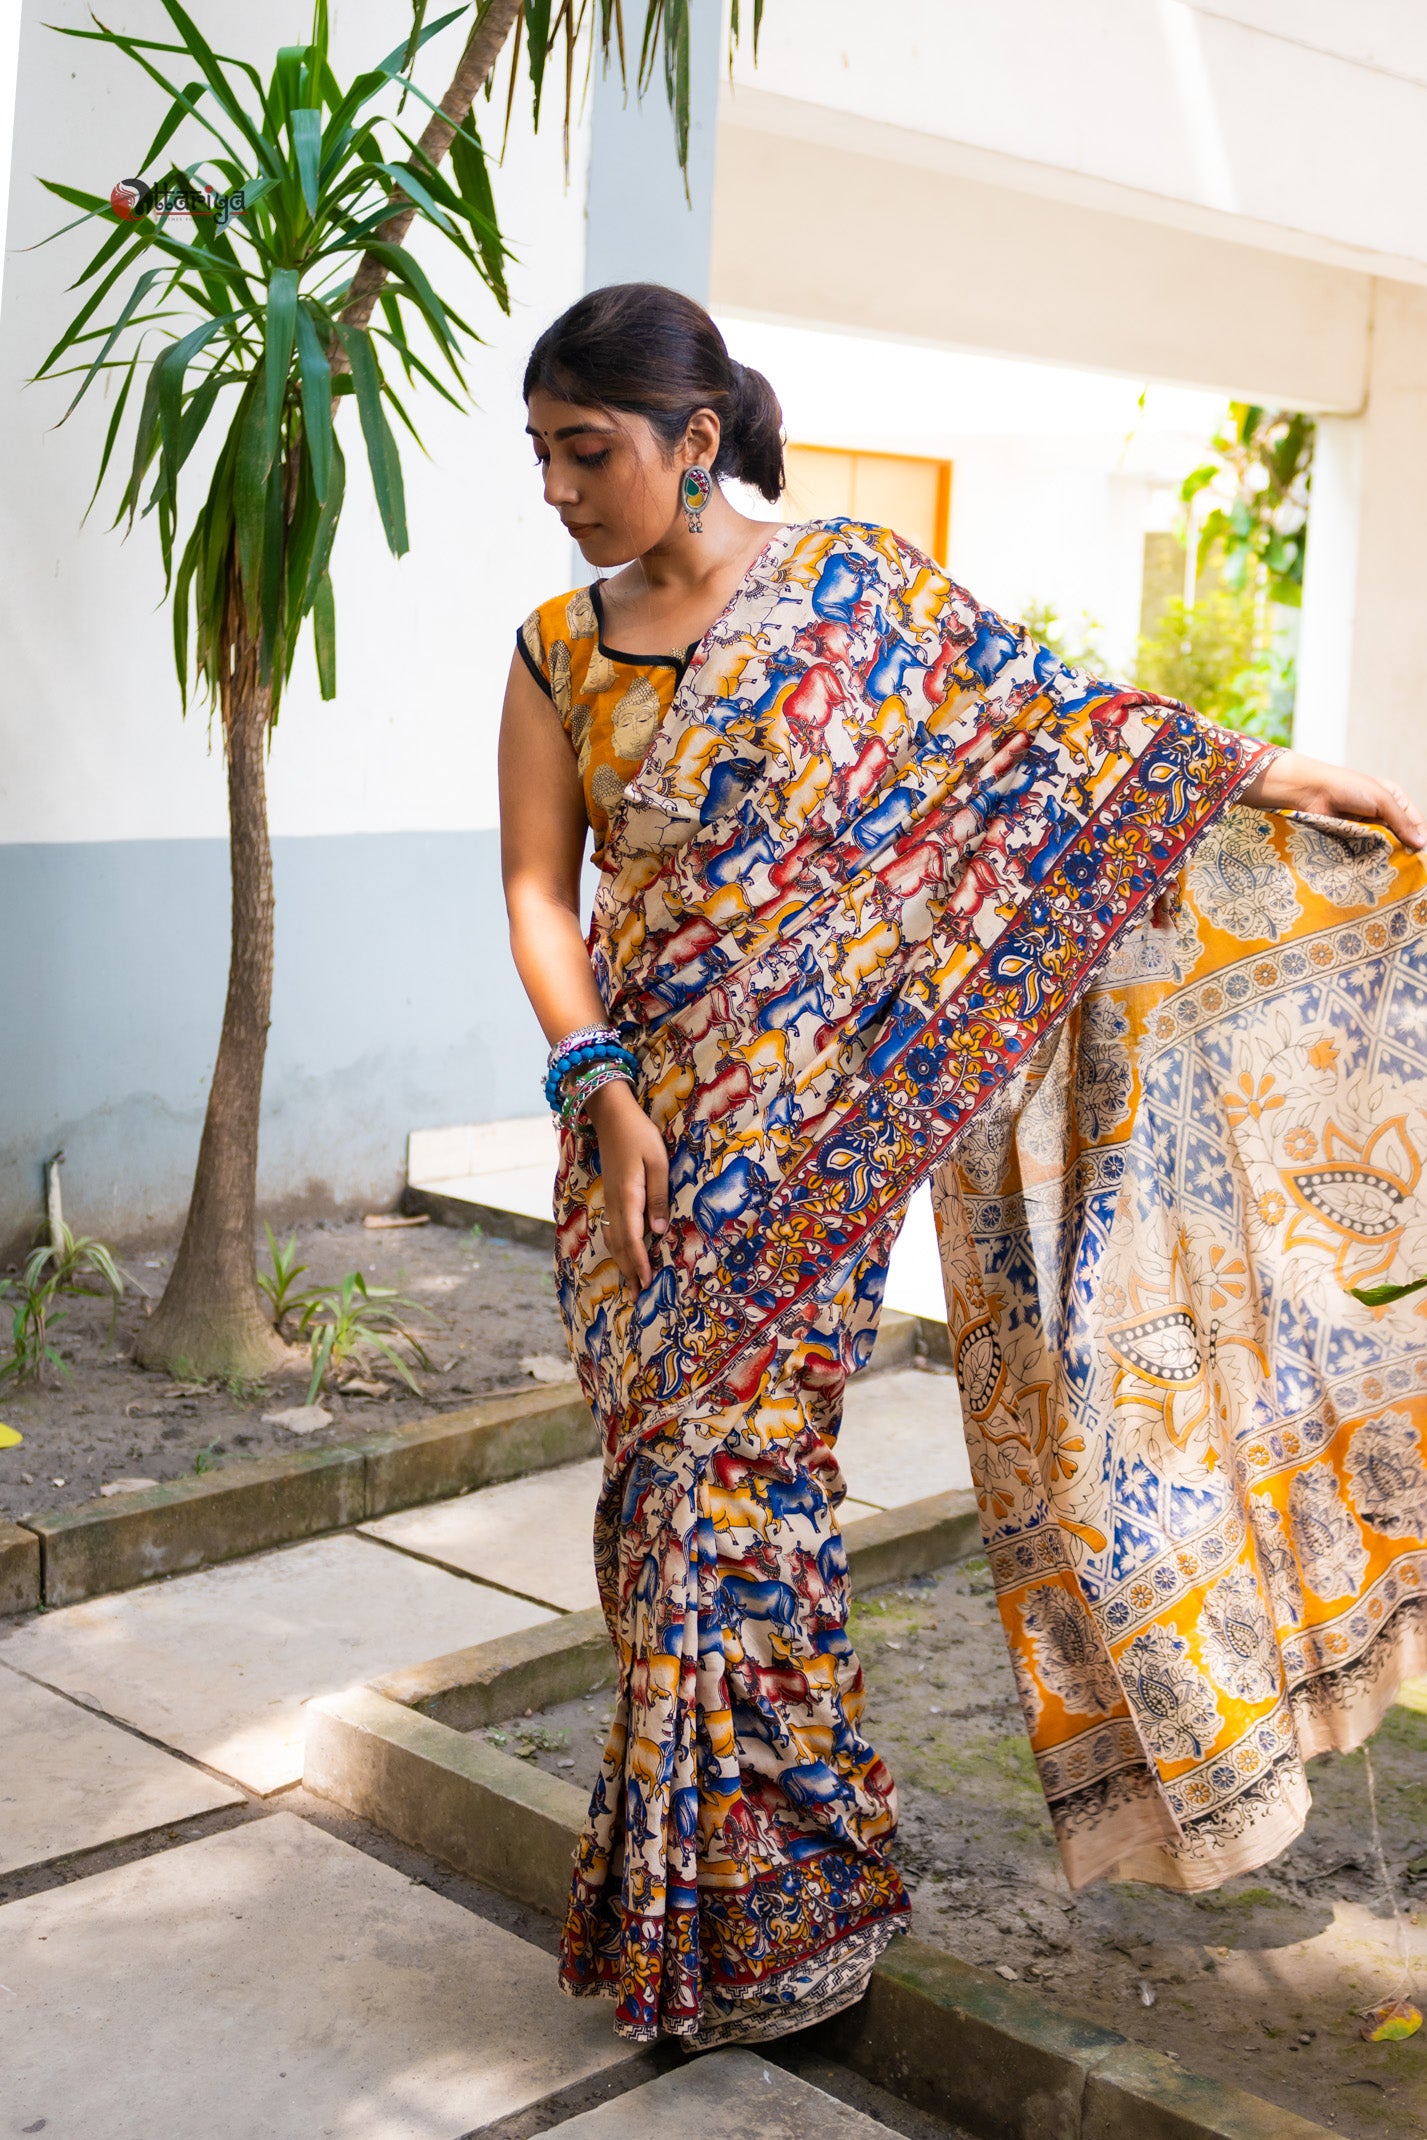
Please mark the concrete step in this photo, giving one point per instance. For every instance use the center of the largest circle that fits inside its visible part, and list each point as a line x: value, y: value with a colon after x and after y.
x: 219, y: 1664
x: 734, y: 2094
x: 274, y: 1981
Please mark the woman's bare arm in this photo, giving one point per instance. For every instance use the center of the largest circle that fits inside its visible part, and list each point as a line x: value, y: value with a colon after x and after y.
x: 542, y: 839
x: 1292, y: 782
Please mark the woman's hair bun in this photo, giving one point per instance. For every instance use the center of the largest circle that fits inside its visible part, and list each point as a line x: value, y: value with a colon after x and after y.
x: 651, y: 351
x: 752, y: 446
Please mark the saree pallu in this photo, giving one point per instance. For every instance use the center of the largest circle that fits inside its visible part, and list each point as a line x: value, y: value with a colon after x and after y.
x: 1200, y: 1459
x: 877, y: 847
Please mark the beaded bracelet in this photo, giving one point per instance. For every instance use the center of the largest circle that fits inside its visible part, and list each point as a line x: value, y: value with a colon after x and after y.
x: 587, y: 1084
x: 581, y: 1050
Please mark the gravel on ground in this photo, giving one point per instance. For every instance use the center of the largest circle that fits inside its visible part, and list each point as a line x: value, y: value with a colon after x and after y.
x: 481, y: 1306
x: 1259, y: 1983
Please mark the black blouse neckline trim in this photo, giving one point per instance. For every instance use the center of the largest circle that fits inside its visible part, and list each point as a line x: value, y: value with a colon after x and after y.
x: 680, y: 662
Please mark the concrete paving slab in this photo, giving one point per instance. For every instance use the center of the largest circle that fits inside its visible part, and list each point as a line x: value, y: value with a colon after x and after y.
x: 275, y: 1981
x: 533, y: 1535
x: 220, y: 1663
x: 735, y: 2094
x: 70, y: 1780
x: 901, y: 1438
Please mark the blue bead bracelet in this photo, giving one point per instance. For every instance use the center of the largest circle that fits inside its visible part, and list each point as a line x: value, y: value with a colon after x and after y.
x: 582, y: 1051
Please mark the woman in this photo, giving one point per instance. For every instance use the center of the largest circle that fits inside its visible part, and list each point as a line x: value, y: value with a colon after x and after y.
x: 863, y: 848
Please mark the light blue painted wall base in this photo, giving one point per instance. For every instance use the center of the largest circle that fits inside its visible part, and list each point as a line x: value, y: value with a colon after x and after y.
x: 395, y: 1007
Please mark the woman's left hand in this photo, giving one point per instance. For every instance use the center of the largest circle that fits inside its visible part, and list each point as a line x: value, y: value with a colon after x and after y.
x: 1292, y: 782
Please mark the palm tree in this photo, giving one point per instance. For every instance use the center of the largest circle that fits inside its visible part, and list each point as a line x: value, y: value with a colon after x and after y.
x: 296, y: 291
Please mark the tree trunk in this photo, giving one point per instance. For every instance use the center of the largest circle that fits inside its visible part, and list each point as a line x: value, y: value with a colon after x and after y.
x: 483, y: 48
x: 212, y: 1322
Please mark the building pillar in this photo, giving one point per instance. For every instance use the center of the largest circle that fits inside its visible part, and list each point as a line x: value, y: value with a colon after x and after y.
x: 642, y: 226
x: 1362, y: 685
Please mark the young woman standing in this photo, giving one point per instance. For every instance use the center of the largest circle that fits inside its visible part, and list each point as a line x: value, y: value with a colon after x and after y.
x: 877, y: 879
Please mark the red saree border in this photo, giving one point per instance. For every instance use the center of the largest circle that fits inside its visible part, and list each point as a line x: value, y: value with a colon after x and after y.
x: 715, y: 1942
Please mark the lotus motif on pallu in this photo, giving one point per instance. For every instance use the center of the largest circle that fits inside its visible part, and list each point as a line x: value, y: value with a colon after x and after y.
x: 1389, y: 1477
x: 1327, y: 1541
x: 1069, y: 1654
x: 1238, y: 1643
x: 1239, y: 882
x: 1359, y: 1192
x: 1349, y: 864
x: 1173, y: 1702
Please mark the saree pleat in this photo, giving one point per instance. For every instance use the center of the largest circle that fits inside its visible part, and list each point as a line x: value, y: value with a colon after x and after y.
x: 878, y: 846
x: 732, y: 1872
x: 1199, y: 1458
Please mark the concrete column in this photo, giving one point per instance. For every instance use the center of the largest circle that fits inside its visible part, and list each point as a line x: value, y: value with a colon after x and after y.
x: 1363, y: 662
x: 642, y: 226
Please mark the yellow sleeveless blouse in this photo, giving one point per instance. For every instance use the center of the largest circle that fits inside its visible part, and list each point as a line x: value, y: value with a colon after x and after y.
x: 610, y: 704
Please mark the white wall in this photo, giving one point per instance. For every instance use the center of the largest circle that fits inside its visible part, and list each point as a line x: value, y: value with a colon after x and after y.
x: 94, y: 746
x: 1215, y: 115
x: 1058, y: 474
x: 395, y: 1001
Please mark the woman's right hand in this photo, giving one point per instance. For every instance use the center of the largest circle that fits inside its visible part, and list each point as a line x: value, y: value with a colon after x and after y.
x: 634, y: 1167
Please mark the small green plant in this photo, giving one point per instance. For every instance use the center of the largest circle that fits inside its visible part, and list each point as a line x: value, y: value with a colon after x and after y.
x: 34, y: 1316
x: 244, y: 1389
x: 1209, y: 654
x: 281, y: 1283
x: 352, y: 1317
x: 70, y: 1257
x: 206, y: 1459
x: 1262, y: 471
x: 59, y: 1263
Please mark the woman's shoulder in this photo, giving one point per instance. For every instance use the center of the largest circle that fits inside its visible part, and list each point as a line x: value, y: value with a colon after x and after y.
x: 554, y: 638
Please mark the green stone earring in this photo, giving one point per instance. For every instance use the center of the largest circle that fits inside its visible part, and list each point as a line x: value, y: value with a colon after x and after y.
x: 695, y: 490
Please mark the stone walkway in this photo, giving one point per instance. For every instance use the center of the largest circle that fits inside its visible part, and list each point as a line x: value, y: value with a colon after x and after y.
x: 186, y: 1945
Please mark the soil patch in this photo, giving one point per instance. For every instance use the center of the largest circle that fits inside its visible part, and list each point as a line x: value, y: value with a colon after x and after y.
x: 1258, y: 1983
x: 484, y: 1305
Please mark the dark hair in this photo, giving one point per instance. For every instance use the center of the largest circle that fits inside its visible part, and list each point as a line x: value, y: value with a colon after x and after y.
x: 652, y: 352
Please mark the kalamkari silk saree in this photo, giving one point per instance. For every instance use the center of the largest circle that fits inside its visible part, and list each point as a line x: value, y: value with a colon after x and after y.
x: 875, y: 907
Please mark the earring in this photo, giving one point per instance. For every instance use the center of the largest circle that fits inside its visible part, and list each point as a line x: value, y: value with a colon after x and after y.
x: 695, y: 490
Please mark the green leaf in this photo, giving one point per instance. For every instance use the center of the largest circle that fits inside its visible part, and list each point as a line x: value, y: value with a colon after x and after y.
x: 250, y: 490
x: 277, y: 348
x: 326, y: 526
x: 203, y: 55
x: 324, y: 635
x: 1382, y: 1296
x: 382, y: 456
x: 366, y: 86
x: 172, y: 121
x: 468, y: 163
x: 82, y: 318
x: 316, y: 376
x: 117, y: 418
x: 407, y: 269
x: 305, y: 128
x: 402, y: 176
x: 131, y: 304
x: 144, y: 437
x: 171, y: 367
x: 537, y: 28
